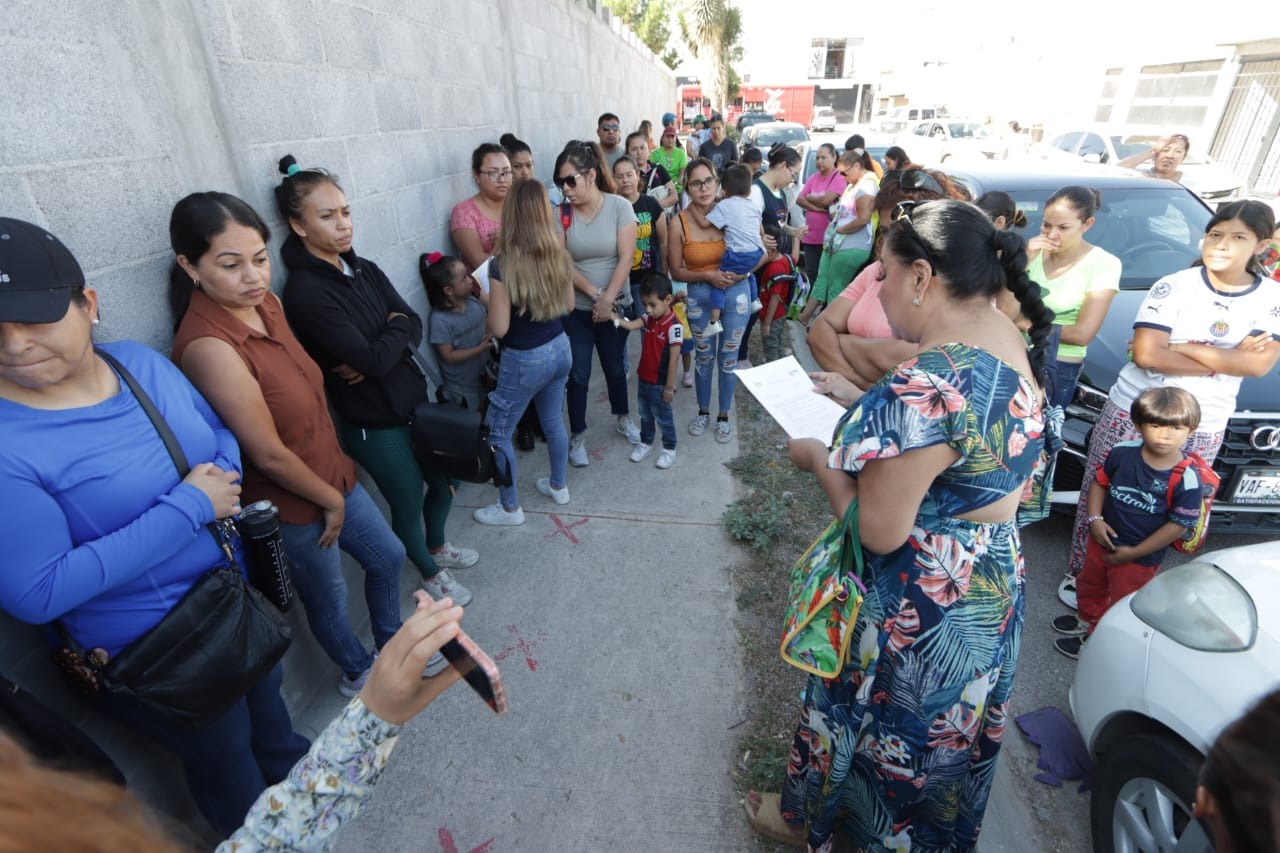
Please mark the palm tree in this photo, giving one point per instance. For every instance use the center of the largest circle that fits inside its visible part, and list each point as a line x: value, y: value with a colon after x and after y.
x: 711, y: 29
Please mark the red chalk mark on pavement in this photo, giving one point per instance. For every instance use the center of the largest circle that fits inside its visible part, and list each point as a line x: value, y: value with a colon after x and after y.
x: 596, y: 454
x: 566, y: 529
x: 523, y: 646
x: 448, y: 846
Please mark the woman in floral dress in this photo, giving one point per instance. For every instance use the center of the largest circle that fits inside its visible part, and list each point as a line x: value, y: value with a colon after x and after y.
x: 898, y: 751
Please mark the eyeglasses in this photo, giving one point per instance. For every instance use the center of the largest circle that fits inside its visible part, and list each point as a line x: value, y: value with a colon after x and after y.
x: 705, y: 183
x: 570, y: 181
x: 902, y: 214
x: 914, y: 179
x: 611, y: 127
x: 497, y: 175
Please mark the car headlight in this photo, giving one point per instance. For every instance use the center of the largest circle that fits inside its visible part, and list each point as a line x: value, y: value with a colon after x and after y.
x: 1087, y: 402
x: 1199, y: 606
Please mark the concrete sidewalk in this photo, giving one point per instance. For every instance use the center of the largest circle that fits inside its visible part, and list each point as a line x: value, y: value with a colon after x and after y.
x: 611, y: 619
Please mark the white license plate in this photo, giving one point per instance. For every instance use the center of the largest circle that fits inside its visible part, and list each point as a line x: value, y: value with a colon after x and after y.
x: 1257, y: 486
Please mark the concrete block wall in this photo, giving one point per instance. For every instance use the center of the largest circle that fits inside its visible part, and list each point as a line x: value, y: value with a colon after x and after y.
x: 113, y: 111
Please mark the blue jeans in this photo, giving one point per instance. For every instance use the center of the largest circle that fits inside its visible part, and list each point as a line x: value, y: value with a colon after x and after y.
x: 317, y: 575
x: 611, y: 344
x: 1063, y: 376
x: 232, y: 761
x: 652, y: 408
x: 738, y: 300
x: 736, y: 263
x: 536, y: 375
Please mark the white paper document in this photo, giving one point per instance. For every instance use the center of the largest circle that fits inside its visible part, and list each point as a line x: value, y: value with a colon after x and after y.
x: 786, y: 392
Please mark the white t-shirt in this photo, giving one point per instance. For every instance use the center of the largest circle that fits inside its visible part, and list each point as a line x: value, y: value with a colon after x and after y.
x: 1186, y: 306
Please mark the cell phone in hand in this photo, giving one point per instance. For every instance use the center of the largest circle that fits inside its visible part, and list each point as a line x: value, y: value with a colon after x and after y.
x: 477, y: 669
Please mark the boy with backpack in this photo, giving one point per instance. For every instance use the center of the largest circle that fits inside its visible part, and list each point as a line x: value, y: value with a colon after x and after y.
x: 1145, y: 496
x: 779, y: 278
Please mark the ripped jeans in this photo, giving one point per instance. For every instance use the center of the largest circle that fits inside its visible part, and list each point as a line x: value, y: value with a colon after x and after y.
x: 737, y: 304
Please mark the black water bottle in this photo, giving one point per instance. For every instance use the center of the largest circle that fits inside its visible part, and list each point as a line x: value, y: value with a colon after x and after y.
x: 259, y: 526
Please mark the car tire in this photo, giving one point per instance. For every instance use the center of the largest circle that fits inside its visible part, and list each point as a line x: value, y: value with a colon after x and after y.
x: 1141, y: 780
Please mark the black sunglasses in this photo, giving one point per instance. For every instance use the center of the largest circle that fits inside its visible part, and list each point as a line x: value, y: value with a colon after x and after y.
x: 570, y: 181
x: 914, y: 179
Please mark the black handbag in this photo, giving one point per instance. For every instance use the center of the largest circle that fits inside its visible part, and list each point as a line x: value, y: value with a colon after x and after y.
x: 215, y: 645
x: 452, y: 440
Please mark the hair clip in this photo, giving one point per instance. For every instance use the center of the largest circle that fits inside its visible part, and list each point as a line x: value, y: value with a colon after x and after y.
x: 433, y: 257
x: 293, y: 169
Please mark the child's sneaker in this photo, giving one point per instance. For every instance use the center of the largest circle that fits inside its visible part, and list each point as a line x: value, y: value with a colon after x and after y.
x: 1071, y: 626
x: 1067, y: 591
x: 444, y: 584
x: 687, y: 381
x: 560, y: 496
x: 628, y: 427
x: 712, y: 329
x: 756, y: 306
x: 666, y: 459
x: 641, y: 451
x: 724, y: 432
x: 698, y: 425
x: 1070, y: 646
x: 578, y: 451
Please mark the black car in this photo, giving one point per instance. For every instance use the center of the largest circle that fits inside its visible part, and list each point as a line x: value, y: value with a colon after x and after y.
x: 1154, y: 228
x: 747, y: 119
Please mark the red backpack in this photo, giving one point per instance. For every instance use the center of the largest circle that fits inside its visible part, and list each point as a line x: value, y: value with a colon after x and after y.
x: 1194, y: 539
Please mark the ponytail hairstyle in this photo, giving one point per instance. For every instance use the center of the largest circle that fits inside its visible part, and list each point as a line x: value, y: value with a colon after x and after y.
x: 900, y: 159
x: 860, y: 157
x: 1257, y: 216
x: 296, y: 185
x: 437, y: 272
x: 997, y: 203
x: 1084, y: 201
x: 193, y: 224
x: 782, y: 154
x: 974, y: 260
x: 585, y: 156
x: 512, y: 146
x: 1244, y: 785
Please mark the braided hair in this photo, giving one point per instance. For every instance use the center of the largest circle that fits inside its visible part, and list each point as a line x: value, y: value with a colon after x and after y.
x: 975, y: 260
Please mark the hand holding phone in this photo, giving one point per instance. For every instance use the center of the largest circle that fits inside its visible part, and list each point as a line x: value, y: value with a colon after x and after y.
x: 396, y: 690
x: 477, y: 669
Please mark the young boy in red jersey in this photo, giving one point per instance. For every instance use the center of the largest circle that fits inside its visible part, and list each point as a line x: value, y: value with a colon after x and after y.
x: 659, y: 367
x: 779, y: 276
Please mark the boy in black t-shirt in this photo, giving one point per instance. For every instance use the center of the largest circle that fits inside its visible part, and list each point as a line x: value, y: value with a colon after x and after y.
x: 1132, y: 517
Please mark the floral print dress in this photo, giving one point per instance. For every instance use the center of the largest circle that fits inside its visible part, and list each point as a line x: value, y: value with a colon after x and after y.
x: 899, y: 751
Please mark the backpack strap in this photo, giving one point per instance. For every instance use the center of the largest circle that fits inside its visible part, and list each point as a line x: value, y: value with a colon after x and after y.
x: 1175, y: 477
x: 566, y: 215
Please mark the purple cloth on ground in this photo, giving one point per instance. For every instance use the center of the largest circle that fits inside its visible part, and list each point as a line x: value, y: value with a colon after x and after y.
x: 1063, y: 754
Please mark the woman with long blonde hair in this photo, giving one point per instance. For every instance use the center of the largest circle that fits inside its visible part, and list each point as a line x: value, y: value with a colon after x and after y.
x: 530, y: 291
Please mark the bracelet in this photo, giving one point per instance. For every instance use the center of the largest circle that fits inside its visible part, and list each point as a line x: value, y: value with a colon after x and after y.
x: 1088, y: 522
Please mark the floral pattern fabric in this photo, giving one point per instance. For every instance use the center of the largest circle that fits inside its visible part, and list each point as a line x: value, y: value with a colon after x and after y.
x: 900, y: 749
x: 327, y: 788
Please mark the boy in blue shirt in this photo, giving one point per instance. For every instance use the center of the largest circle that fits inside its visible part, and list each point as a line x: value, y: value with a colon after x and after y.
x: 1132, y: 517
x: 743, y: 238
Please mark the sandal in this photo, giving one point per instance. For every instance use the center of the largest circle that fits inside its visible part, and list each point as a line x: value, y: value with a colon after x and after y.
x: 767, y: 819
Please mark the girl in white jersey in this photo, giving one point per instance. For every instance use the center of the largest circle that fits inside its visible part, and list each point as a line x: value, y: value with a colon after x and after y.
x: 1202, y: 329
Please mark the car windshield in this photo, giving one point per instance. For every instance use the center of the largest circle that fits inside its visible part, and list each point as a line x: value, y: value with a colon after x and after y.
x: 1154, y: 230
x: 967, y: 130
x: 766, y: 136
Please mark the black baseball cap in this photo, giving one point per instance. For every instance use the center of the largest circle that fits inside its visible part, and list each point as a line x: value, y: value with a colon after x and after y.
x: 37, y: 274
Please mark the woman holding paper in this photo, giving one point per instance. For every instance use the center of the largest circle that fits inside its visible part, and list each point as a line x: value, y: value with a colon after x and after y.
x: 898, y: 750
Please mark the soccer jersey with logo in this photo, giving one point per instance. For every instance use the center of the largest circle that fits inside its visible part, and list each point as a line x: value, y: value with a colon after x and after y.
x: 1186, y: 306
x: 658, y: 335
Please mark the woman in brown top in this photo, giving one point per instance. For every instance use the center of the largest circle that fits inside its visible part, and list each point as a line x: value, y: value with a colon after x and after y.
x: 234, y: 345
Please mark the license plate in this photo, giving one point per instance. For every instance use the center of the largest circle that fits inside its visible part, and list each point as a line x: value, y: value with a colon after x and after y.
x: 1257, y: 486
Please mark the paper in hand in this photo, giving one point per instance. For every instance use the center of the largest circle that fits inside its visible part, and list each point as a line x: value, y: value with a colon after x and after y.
x: 786, y: 392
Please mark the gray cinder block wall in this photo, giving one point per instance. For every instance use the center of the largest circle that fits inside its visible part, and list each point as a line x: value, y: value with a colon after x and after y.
x: 113, y: 111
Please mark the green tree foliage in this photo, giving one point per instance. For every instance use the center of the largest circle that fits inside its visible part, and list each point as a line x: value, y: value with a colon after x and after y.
x: 650, y: 20
x: 712, y: 29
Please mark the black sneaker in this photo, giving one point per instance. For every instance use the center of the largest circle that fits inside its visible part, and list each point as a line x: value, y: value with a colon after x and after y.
x: 1070, y: 625
x: 1070, y: 646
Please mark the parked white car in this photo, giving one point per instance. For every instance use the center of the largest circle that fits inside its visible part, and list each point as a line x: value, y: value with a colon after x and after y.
x: 933, y: 143
x: 824, y: 118
x: 1201, y: 174
x: 1165, y: 671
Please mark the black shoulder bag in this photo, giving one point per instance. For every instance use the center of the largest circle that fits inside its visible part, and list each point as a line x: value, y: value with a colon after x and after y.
x: 217, y: 642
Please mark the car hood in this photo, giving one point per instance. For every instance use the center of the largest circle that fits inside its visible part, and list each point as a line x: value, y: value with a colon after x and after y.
x: 1259, y: 574
x: 1208, y: 177
x: 1110, y: 351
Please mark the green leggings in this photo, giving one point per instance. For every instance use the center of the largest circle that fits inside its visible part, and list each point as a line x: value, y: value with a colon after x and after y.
x: 387, y: 455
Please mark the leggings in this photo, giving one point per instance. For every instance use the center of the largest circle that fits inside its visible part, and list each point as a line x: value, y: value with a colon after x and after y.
x: 387, y: 454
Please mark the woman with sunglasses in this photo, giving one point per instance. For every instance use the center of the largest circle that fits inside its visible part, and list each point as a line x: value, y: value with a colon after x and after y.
x: 474, y: 223
x: 600, y: 233
x: 693, y: 256
x: 852, y: 337
x: 898, y: 751
x: 846, y: 245
x: 821, y: 191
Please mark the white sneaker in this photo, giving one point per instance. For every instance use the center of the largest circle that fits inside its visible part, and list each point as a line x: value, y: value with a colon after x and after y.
x: 1067, y: 591
x: 698, y: 425
x: 712, y: 329
x: 445, y: 585
x: 560, y: 496
x: 627, y: 427
x: 640, y: 452
x: 351, y: 687
x: 724, y: 432
x: 495, y: 515
x: 756, y: 306
x: 578, y: 451
x: 666, y: 459
x: 436, y: 664
x: 450, y: 557
x: 688, y: 379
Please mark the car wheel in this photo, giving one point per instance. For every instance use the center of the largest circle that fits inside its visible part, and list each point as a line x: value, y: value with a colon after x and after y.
x: 1146, y: 787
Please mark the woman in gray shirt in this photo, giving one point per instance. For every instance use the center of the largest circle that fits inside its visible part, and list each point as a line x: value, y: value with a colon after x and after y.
x: 600, y: 232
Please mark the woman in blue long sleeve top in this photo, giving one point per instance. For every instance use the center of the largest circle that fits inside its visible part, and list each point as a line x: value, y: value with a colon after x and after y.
x: 99, y: 530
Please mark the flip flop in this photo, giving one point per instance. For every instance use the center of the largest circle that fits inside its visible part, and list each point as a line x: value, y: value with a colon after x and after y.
x: 767, y: 819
